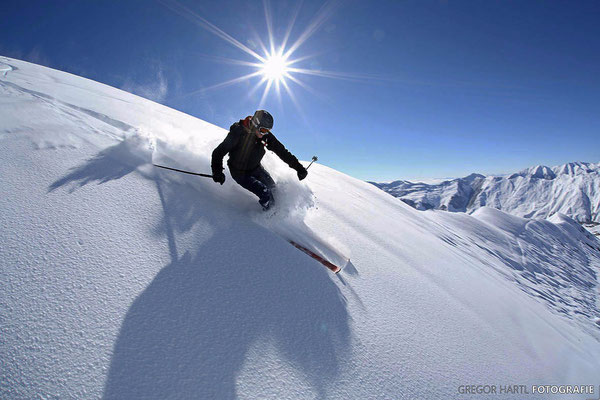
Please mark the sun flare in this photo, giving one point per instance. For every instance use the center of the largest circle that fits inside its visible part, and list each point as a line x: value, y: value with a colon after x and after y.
x: 275, y: 67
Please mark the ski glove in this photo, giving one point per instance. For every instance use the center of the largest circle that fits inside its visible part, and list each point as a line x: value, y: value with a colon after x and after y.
x: 302, y: 172
x: 219, y: 177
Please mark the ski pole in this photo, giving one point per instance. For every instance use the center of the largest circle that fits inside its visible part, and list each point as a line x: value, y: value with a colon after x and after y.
x: 185, y: 172
x: 313, y: 160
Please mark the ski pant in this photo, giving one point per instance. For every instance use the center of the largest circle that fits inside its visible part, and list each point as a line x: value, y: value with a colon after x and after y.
x: 258, y: 181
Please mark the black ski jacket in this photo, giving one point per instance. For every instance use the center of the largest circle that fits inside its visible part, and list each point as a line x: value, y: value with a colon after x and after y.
x: 246, y: 150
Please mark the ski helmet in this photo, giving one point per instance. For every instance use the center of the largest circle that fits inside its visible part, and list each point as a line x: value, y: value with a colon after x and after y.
x: 262, y: 119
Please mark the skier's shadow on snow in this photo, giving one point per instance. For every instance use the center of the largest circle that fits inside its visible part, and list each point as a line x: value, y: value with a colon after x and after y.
x: 112, y: 163
x: 240, y: 305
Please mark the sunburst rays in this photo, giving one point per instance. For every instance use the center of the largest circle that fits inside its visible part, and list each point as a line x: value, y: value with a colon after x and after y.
x: 277, y: 65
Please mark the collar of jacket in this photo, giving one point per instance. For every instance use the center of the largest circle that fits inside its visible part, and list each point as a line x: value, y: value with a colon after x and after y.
x: 246, y: 123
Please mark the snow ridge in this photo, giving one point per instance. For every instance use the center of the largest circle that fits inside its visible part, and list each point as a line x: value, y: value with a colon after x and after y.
x: 572, y: 189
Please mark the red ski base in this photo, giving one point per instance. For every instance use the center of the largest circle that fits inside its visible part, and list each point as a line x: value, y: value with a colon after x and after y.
x: 334, y: 268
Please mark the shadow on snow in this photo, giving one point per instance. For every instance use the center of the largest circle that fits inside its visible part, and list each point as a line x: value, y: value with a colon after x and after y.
x: 191, y: 331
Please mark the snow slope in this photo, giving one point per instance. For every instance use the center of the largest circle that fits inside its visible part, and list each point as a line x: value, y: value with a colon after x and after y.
x: 593, y: 227
x: 572, y: 189
x: 123, y: 281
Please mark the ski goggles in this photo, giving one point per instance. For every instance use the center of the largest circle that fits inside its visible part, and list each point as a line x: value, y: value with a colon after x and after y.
x: 263, y: 130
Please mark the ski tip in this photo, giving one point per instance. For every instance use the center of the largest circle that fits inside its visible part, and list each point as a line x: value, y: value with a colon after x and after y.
x: 329, y: 265
x: 343, y: 265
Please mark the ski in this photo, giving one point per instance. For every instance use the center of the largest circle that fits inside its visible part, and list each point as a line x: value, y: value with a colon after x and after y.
x: 334, y: 268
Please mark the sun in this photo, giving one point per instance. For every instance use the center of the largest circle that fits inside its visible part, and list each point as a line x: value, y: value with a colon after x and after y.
x: 275, y: 67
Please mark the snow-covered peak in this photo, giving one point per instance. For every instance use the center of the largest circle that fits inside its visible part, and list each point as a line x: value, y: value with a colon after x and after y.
x: 571, y: 169
x: 572, y: 189
x: 473, y: 177
x: 538, y: 172
x: 577, y: 168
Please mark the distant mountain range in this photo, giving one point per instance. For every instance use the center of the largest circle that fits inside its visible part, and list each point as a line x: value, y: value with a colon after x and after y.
x: 572, y: 189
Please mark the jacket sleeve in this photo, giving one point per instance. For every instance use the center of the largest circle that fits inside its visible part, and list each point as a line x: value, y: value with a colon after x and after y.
x: 225, y: 147
x: 276, y: 147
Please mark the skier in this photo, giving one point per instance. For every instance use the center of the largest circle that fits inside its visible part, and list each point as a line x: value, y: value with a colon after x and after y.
x: 245, y: 143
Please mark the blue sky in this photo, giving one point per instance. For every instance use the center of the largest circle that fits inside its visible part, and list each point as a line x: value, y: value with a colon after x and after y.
x: 423, y: 89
